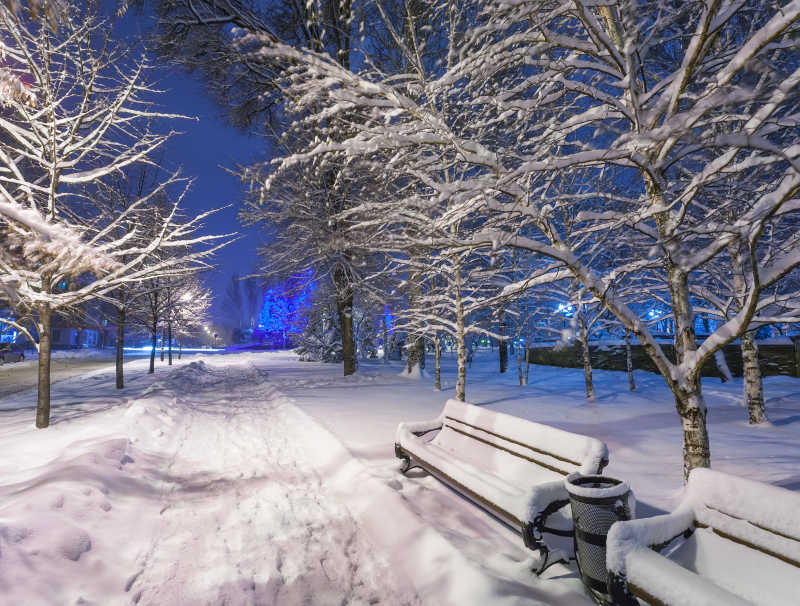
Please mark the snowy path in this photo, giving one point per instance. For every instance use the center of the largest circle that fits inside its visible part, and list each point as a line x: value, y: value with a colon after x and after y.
x: 238, y: 472
x: 215, y: 494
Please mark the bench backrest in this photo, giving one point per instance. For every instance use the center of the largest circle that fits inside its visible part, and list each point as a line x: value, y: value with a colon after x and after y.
x: 510, y: 447
x: 748, y: 537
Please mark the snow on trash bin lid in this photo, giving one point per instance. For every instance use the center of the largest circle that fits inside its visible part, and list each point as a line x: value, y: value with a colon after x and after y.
x: 581, y: 486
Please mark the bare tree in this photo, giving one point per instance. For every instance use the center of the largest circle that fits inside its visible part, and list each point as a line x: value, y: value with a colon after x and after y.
x: 629, y: 123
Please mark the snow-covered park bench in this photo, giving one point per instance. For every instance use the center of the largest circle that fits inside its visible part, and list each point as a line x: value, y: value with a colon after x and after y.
x: 731, y: 541
x: 511, y: 467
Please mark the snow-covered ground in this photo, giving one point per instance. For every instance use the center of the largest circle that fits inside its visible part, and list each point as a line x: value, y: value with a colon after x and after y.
x: 65, y: 364
x: 20, y: 376
x: 253, y: 478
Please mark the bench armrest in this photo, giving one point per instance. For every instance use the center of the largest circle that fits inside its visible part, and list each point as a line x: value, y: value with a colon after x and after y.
x: 644, y: 534
x: 544, y: 504
x: 407, y: 431
x: 544, y: 494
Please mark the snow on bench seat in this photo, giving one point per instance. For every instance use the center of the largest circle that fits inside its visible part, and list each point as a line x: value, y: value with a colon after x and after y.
x: 511, y: 467
x: 731, y: 541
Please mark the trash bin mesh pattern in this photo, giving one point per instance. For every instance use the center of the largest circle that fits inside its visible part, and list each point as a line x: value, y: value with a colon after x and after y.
x: 593, y: 521
x: 593, y: 517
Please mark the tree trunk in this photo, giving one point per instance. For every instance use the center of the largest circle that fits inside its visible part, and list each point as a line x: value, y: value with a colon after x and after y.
x: 520, y: 374
x: 180, y: 346
x: 385, y: 329
x: 120, y: 346
x: 587, y: 360
x: 461, y: 346
x: 344, y: 307
x: 416, y: 355
x: 43, y: 395
x: 692, y: 410
x: 753, y: 387
x: 437, y: 352
x: 629, y: 361
x: 154, y: 334
x: 169, y: 341
x: 163, y: 329
x: 796, y: 343
x: 527, y: 344
x: 503, y: 344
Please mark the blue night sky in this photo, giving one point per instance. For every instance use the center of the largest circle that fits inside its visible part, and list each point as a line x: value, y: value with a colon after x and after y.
x: 206, y: 148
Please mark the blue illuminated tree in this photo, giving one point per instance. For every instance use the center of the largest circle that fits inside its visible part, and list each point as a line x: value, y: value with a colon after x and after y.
x: 284, y: 312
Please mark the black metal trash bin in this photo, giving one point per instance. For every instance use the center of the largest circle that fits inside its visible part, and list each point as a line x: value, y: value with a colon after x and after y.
x: 596, y: 502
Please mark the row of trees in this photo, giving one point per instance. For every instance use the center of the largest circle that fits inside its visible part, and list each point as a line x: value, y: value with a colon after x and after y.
x: 85, y: 216
x: 472, y: 152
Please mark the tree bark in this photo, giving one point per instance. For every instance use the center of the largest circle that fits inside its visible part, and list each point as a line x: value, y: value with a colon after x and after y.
x: 796, y: 343
x: 527, y: 345
x: 344, y: 307
x: 692, y: 410
x: 753, y: 386
x: 385, y: 329
x: 169, y: 341
x: 629, y: 361
x: 154, y: 334
x: 686, y: 389
x: 587, y: 360
x: 45, y: 342
x: 120, y: 346
x: 461, y: 343
x: 163, y: 330
x: 416, y: 355
x: 437, y: 352
x: 180, y: 346
x: 503, y: 344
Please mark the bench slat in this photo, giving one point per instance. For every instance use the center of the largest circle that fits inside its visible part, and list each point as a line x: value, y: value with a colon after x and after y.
x: 748, y: 544
x: 641, y: 593
x: 516, y: 454
x: 528, y: 446
x: 760, y: 526
x: 498, y: 511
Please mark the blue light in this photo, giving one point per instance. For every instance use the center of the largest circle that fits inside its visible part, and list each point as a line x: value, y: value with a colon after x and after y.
x: 8, y: 334
x: 566, y: 309
x: 387, y: 314
x: 284, y: 310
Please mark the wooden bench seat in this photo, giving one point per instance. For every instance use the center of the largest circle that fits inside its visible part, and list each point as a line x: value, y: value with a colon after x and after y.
x: 731, y: 541
x: 511, y: 467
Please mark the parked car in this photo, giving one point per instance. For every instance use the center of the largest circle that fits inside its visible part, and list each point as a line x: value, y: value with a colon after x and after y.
x: 8, y: 354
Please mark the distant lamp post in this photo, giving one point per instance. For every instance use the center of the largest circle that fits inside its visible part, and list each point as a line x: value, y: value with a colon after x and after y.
x: 215, y: 339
